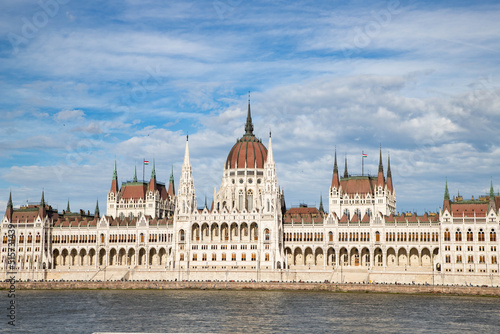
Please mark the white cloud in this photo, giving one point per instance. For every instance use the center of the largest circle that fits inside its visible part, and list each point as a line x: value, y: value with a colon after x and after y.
x: 66, y: 115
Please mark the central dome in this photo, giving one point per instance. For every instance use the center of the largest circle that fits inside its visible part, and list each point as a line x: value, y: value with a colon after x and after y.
x: 248, y: 150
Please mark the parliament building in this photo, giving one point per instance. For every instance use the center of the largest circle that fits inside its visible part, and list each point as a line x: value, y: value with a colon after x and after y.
x: 152, y: 232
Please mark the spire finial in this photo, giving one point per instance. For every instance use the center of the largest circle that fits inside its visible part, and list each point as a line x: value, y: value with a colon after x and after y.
x: 346, y: 175
x: 446, y: 193
x: 135, y: 174
x: 171, y: 174
x: 96, y: 212
x: 492, y: 194
x: 321, y: 203
x: 9, y: 203
x: 380, y: 166
x: 249, y: 125
x: 153, y: 171
x: 115, y: 174
x: 389, y: 165
x: 42, y: 202
x: 335, y: 167
x: 67, y: 207
x: 186, y: 154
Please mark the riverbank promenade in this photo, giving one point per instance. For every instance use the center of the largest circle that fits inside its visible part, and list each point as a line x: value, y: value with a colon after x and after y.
x: 222, y: 285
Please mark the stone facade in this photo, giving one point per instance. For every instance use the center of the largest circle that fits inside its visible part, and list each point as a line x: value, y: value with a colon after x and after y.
x: 150, y: 232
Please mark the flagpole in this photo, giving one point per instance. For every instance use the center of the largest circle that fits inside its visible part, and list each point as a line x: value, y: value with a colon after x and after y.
x: 362, y: 163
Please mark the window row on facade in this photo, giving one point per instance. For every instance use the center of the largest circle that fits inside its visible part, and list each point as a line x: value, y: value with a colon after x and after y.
x: 480, y: 235
x: 470, y: 259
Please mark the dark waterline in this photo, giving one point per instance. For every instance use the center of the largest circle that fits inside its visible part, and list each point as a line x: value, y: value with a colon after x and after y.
x: 230, y: 311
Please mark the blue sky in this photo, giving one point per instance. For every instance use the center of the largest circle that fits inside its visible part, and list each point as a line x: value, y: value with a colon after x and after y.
x: 85, y: 83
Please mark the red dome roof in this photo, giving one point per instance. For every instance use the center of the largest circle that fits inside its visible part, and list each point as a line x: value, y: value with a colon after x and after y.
x: 249, y: 150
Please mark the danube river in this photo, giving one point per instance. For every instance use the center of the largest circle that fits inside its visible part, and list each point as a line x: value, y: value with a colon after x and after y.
x: 232, y: 311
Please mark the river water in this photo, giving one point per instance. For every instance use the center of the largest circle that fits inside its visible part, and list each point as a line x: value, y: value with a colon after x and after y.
x: 229, y: 311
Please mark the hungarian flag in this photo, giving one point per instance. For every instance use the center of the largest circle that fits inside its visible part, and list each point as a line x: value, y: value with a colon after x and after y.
x: 364, y: 155
x: 146, y: 162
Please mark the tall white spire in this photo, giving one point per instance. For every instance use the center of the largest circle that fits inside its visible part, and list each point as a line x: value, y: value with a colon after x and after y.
x: 186, y: 153
x: 186, y: 195
x: 270, y: 158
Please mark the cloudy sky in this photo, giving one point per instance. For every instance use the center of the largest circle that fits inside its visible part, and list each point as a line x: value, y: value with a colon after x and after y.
x: 83, y: 83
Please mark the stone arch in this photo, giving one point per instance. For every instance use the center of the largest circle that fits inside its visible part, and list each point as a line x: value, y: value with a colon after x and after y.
x: 318, y: 257
x: 91, y: 257
x: 205, y: 232
x: 378, y: 257
x: 64, y: 257
x: 112, y: 257
x: 365, y: 257
x: 214, y: 232
x: 354, y: 257
x: 414, y: 258
x: 83, y: 257
x: 244, y: 232
x: 195, y: 232
x: 224, y: 232
x: 331, y: 257
x: 142, y: 257
x: 343, y: 257
x: 391, y: 257
x: 298, y: 258
x: 131, y: 261
x: 425, y: 257
x: 56, y: 258
x: 122, y: 257
x: 102, y: 257
x: 309, y: 257
x: 153, y: 258
x: 289, y: 256
x: 234, y: 232
x: 254, y: 232
x: 162, y: 254
x: 402, y: 257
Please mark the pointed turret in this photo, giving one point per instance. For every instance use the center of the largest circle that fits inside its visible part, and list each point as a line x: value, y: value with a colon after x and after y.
x: 114, y: 182
x: 153, y: 171
x: 335, y: 177
x: 389, y: 175
x: 96, y: 212
x: 346, y: 175
x: 186, y: 153
x: 380, y: 179
x: 446, y: 202
x: 152, y: 182
x: 171, y: 186
x: 492, y: 205
x: 321, y: 204
x: 135, y: 174
x: 270, y: 157
x: 186, y: 197
x: 67, y: 208
x: 446, y: 192
x: 10, y: 208
x: 249, y: 124
x: 41, y: 209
